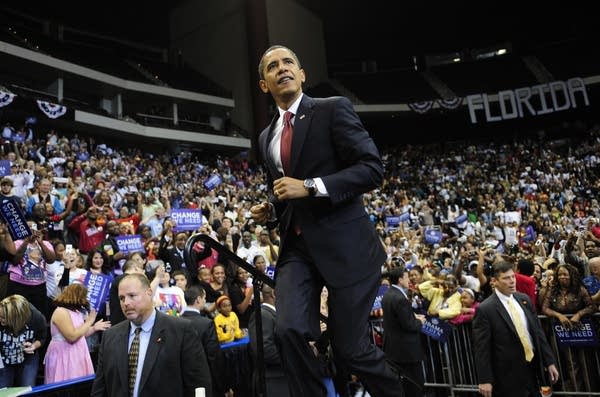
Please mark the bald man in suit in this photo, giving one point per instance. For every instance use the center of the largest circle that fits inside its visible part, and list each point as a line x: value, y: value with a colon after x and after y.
x: 171, y: 360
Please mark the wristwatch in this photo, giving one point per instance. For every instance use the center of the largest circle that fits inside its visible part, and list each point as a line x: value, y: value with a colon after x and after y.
x: 311, y: 186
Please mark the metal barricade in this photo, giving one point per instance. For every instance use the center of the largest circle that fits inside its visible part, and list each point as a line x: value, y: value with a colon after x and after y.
x: 449, y: 368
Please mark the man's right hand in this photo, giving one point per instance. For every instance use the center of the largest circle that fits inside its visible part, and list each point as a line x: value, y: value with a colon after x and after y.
x: 261, y: 213
x: 485, y: 389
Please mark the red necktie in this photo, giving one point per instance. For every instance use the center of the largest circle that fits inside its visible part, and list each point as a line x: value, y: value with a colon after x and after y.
x: 286, y: 142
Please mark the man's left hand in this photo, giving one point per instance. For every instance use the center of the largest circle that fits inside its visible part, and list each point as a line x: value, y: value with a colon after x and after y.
x: 287, y: 188
x: 553, y: 373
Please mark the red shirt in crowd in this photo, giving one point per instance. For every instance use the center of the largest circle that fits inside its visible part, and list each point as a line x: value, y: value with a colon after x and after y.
x: 526, y: 285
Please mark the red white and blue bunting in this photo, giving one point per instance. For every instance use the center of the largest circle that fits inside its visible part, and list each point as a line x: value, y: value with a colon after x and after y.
x: 52, y: 110
x: 421, y: 107
x: 425, y: 106
x: 450, y: 103
x: 6, y: 98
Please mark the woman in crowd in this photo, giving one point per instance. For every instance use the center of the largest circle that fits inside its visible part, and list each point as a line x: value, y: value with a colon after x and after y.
x: 97, y: 262
x: 27, y: 273
x: 22, y: 333
x: 444, y: 297
x: 240, y: 292
x: 566, y: 295
x: 68, y: 356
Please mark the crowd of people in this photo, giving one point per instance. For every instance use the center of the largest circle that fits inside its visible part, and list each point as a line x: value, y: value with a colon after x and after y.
x: 443, y: 214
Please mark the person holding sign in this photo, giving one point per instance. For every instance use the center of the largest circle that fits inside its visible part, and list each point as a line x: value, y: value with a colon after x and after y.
x: 567, y: 295
x: 509, y: 344
x: 68, y: 356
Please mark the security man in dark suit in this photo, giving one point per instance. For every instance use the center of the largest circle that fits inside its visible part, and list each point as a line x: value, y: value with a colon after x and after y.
x: 510, y: 349
x: 319, y: 161
x: 151, y: 354
x: 402, y: 332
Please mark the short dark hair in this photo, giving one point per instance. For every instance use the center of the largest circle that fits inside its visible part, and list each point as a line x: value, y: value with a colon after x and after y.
x: 192, y: 293
x: 501, y: 267
x: 261, y: 64
x: 396, y: 274
x: 526, y: 267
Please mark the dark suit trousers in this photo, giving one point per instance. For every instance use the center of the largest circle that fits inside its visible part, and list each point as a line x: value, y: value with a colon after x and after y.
x: 298, y: 289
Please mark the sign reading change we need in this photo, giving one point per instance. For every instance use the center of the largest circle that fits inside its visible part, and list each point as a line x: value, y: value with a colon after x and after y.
x: 187, y: 219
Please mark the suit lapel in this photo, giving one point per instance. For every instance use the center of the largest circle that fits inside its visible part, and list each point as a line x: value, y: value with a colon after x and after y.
x: 121, y: 353
x: 157, y: 339
x: 265, y: 148
x: 504, y: 314
x: 302, y: 121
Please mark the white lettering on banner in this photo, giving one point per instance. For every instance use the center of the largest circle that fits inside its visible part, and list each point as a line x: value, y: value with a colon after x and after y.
x: 556, y: 96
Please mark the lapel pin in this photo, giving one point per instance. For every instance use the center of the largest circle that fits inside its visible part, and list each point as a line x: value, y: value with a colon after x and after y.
x: 159, y: 339
x: 301, y: 116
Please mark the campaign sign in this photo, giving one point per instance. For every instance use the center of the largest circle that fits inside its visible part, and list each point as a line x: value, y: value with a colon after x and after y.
x: 15, y: 219
x: 461, y: 219
x: 98, y: 286
x: 392, y: 221
x: 436, y: 328
x: 187, y: 219
x: 212, y: 182
x: 581, y: 335
x: 270, y: 272
x: 4, y: 167
x: 379, y: 297
x: 433, y: 236
x: 129, y: 244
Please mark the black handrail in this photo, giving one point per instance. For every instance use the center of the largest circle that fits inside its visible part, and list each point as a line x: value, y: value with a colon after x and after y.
x: 258, y: 279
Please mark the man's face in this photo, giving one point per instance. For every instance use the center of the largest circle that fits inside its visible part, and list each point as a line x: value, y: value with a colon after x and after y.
x: 45, y: 186
x: 246, y: 239
x: 505, y: 282
x: 180, y: 240
x: 136, y: 301
x: 264, y: 237
x: 404, y: 281
x: 180, y: 281
x: 282, y: 76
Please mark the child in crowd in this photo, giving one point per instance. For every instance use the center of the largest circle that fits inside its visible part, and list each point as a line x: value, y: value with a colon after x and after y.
x: 226, y: 322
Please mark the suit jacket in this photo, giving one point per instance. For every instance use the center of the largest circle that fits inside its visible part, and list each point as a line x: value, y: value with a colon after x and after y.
x: 214, y: 355
x: 402, y: 337
x: 499, y: 355
x: 330, y: 142
x: 175, y: 363
x: 270, y: 350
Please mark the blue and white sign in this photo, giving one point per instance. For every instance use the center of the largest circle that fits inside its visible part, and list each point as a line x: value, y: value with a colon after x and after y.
x: 129, y: 244
x: 270, y: 272
x: 212, y: 182
x: 581, y: 335
x: 436, y: 328
x: 379, y: 297
x: 98, y: 286
x: 187, y: 219
x: 14, y: 218
x: 433, y: 236
x: 4, y: 167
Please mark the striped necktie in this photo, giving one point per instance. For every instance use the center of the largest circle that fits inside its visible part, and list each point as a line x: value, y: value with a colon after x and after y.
x: 134, y: 352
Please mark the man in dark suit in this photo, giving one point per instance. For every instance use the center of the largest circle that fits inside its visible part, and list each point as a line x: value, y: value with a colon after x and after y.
x: 174, y: 255
x: 510, y: 348
x: 170, y: 359
x: 195, y: 298
x: 319, y: 161
x: 275, y: 380
x: 402, y: 337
